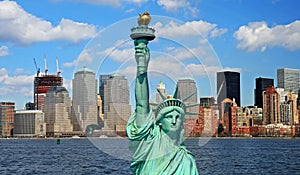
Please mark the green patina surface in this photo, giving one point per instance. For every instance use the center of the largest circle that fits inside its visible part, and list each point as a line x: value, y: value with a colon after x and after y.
x: 156, y: 139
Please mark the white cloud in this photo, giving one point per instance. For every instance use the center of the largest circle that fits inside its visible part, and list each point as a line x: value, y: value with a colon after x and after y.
x: 3, y: 51
x: 257, y: 35
x: 175, y: 5
x: 23, y: 28
x: 11, y: 85
x: 83, y: 58
x: 193, y: 28
x: 113, y: 3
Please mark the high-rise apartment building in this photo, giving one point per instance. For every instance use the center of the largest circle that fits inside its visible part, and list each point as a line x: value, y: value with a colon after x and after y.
x: 229, y: 116
x: 228, y: 86
x: 288, y: 79
x: 6, y: 119
x: 271, y: 109
x: 29, y: 123
x: 85, y: 97
x: 57, y: 111
x: 261, y: 84
x: 117, y: 109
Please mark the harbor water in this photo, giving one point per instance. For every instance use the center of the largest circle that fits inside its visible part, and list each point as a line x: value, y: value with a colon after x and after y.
x: 111, y: 156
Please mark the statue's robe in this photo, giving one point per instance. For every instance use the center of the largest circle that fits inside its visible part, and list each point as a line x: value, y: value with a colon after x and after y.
x: 154, y: 153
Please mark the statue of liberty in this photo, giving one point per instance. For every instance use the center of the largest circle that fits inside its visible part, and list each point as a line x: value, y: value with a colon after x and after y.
x: 156, y: 136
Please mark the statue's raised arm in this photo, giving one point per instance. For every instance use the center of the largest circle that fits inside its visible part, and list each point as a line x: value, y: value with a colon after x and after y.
x: 156, y: 135
x: 142, y: 56
x: 141, y: 36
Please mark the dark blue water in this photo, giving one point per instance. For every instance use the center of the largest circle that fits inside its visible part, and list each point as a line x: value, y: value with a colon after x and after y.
x: 111, y: 156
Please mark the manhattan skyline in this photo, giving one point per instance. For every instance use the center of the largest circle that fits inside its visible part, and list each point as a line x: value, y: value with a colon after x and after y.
x: 251, y: 37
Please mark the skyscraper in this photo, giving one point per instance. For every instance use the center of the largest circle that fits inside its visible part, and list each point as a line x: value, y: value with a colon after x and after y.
x: 85, y: 97
x: 102, y: 83
x: 117, y: 109
x: 42, y: 83
x: 162, y: 88
x: 187, y: 87
x: 57, y: 111
x: 261, y: 84
x: 271, y: 114
x: 288, y: 79
x: 228, y: 86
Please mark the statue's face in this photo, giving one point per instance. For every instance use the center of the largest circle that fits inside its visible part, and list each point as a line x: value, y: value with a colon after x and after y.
x: 173, y: 120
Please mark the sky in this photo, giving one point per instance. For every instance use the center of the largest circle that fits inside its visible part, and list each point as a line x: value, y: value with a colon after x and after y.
x: 194, y: 39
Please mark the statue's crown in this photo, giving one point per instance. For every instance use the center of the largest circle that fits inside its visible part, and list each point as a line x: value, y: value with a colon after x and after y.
x: 170, y: 102
x: 173, y: 101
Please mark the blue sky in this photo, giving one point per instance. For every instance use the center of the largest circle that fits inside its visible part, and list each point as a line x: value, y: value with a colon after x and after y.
x: 194, y: 39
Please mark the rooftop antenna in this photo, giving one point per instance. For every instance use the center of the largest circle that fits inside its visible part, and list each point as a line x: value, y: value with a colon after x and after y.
x: 57, y: 67
x: 46, y: 67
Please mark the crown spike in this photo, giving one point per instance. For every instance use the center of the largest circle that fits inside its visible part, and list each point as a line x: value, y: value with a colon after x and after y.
x: 161, y: 95
x: 192, y: 105
x: 176, y: 92
x: 188, y: 97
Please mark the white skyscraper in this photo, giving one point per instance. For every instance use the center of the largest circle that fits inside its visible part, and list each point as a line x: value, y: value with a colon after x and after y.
x: 85, y: 97
x: 288, y: 79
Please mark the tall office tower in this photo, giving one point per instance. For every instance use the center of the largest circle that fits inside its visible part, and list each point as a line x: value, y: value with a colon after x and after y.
x: 57, y: 111
x: 117, y: 109
x: 228, y: 86
x: 288, y: 79
x: 6, y: 119
x: 162, y: 88
x: 271, y: 114
x: 29, y: 123
x: 102, y: 83
x: 85, y: 97
x: 261, y: 84
x: 187, y: 87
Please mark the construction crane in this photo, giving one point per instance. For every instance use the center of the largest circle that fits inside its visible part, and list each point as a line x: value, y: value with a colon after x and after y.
x: 46, y: 67
x: 37, y: 69
x: 57, y: 67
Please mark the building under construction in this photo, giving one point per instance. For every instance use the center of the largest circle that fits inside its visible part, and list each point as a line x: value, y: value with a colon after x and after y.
x: 43, y: 82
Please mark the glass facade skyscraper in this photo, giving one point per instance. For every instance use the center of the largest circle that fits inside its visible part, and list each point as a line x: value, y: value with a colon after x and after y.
x: 288, y: 79
x: 261, y: 84
x: 228, y: 86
